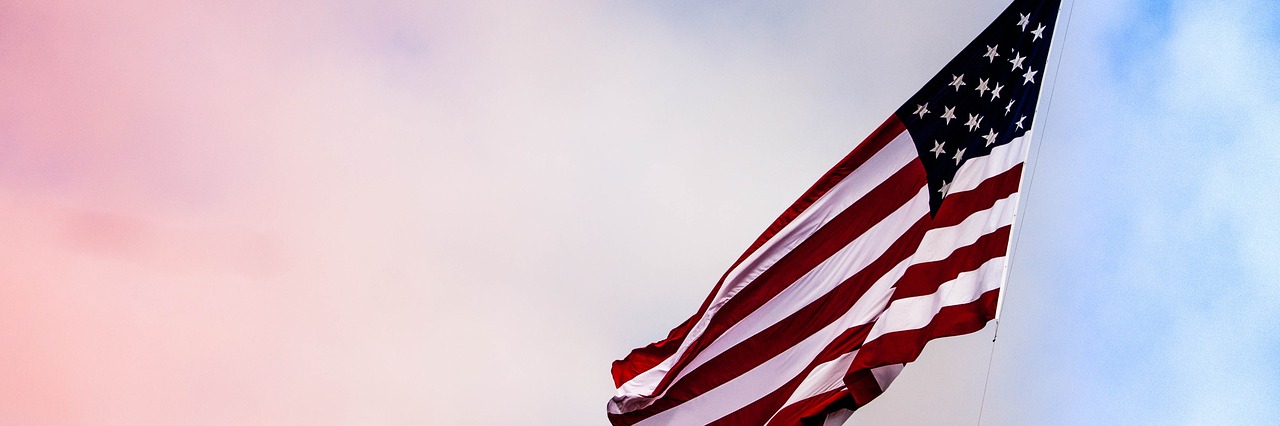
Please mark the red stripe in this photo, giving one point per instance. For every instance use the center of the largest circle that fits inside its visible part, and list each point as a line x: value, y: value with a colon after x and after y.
x: 905, y: 346
x: 961, y: 205
x: 644, y: 359
x: 830, y: 405
x: 925, y: 278
x: 828, y: 308
x: 862, y: 385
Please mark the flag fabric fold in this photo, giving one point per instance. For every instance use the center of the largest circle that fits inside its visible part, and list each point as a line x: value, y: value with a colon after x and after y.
x: 905, y: 240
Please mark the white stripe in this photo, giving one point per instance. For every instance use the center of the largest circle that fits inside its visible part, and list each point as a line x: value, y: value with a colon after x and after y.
x: 1002, y: 158
x: 826, y: 377
x: 916, y: 312
x: 1004, y: 278
x: 939, y: 243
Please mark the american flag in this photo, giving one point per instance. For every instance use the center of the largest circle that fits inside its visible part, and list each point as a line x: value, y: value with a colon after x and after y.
x: 905, y: 240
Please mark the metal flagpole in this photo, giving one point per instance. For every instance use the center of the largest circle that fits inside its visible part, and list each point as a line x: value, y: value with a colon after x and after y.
x: 1026, y: 205
x: 1012, y: 250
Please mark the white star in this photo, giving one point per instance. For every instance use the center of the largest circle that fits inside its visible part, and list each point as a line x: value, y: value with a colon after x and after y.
x: 996, y: 92
x: 959, y: 156
x: 957, y: 82
x: 1009, y: 107
x: 1017, y: 60
x: 1020, y: 121
x: 949, y: 114
x: 991, y: 136
x: 943, y: 190
x: 1026, y: 19
x: 1039, y: 32
x: 921, y: 110
x: 982, y: 87
x: 991, y: 53
x: 974, y: 122
x: 1030, y: 77
x: 938, y: 149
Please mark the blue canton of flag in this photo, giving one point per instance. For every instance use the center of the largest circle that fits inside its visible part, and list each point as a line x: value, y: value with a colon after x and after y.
x: 984, y: 98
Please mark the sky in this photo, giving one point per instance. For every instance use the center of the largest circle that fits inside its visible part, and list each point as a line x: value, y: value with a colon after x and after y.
x: 448, y: 212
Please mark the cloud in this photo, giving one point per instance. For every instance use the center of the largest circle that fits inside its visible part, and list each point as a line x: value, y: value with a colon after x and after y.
x: 1222, y: 62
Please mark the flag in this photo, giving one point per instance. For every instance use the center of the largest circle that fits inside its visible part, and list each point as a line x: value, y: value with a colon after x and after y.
x: 905, y: 240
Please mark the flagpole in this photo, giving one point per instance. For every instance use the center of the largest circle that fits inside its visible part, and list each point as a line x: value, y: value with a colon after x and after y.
x: 1010, y: 251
